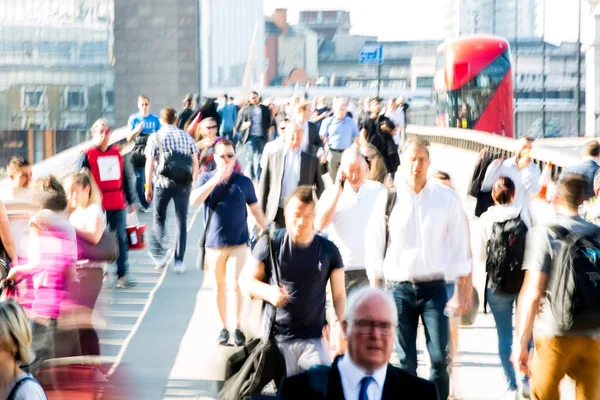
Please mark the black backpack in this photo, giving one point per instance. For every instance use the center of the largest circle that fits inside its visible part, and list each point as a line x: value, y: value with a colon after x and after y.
x: 573, y: 290
x: 138, y: 153
x: 505, y: 252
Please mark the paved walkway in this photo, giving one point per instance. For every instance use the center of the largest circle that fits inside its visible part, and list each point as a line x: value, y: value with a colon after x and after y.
x: 174, y: 355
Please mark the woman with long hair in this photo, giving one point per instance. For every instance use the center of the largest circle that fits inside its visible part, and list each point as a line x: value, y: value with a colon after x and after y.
x: 88, y: 219
x: 15, y: 344
x: 377, y: 170
x: 52, y: 258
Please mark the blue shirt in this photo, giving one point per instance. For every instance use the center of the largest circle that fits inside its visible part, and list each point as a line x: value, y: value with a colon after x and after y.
x: 151, y: 123
x: 229, y: 225
x: 228, y: 117
x: 340, y: 134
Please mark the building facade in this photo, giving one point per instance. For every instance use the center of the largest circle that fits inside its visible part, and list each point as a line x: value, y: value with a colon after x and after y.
x: 507, y: 18
x: 326, y: 23
x: 56, y: 74
x: 291, y: 52
x: 156, y: 53
x: 228, y: 30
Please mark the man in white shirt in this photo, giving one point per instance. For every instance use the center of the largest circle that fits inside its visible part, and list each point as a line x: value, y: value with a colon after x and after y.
x: 344, y: 210
x: 428, y: 244
x: 363, y: 371
x: 524, y: 173
x: 311, y: 141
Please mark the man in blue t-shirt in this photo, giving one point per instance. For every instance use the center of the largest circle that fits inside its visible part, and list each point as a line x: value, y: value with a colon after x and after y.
x: 141, y: 125
x: 225, y: 193
x: 306, y: 262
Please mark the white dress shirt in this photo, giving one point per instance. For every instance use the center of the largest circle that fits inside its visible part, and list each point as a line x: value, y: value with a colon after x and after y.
x: 428, y: 236
x: 351, y: 375
x: 291, y: 175
x: 526, y: 183
x: 350, y: 219
x: 305, y: 138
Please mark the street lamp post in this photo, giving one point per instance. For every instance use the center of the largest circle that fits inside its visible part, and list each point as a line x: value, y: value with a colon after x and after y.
x: 578, y: 87
x: 544, y: 69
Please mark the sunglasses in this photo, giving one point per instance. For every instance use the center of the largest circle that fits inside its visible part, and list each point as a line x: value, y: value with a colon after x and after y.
x: 282, y: 128
x: 212, y: 127
x: 230, y: 155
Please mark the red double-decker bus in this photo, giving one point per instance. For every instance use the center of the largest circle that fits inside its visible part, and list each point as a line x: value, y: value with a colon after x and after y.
x: 473, y: 84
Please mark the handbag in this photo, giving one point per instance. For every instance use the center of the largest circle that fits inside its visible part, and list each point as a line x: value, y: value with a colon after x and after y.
x: 106, y: 250
x: 174, y: 165
x: 259, y: 362
x: 213, y: 207
x: 4, y: 261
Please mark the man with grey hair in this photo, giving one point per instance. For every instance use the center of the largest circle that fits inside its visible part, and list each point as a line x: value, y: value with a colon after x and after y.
x: 363, y: 372
x: 114, y: 179
x: 338, y: 132
x: 286, y: 167
x: 344, y: 210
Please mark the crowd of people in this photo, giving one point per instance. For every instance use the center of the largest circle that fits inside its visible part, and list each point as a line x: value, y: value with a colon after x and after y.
x: 349, y: 268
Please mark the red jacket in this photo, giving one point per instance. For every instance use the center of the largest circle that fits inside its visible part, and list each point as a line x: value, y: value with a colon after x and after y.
x: 108, y: 171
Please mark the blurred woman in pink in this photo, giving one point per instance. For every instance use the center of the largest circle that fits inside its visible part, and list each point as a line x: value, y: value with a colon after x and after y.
x: 52, y: 258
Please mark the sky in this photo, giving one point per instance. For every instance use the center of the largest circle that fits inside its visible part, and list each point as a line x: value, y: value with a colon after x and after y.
x: 420, y: 19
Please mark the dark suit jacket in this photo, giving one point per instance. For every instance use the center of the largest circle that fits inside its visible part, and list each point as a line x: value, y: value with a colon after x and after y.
x: 246, y: 115
x: 314, y: 140
x: 269, y: 187
x: 398, y: 385
x: 587, y: 168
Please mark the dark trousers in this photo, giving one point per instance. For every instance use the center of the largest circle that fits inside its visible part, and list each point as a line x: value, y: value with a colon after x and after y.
x: 181, y: 199
x: 140, y: 180
x: 426, y: 300
x: 279, y: 220
x: 116, y: 220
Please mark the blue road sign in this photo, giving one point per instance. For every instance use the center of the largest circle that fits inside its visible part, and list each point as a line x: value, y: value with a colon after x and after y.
x: 371, y: 54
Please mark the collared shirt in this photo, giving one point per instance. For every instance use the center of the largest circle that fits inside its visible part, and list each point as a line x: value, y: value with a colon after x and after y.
x: 526, y: 183
x: 340, y: 134
x: 351, y: 375
x: 397, y: 117
x: 428, y: 236
x: 350, y: 219
x: 291, y: 174
x: 172, y: 139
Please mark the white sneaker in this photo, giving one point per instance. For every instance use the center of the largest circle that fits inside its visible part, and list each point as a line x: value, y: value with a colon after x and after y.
x: 179, y: 267
x: 162, y: 262
x: 511, y: 395
x: 525, y: 391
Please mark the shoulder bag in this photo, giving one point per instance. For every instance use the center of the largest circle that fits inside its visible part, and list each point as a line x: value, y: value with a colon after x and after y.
x: 106, y: 250
x: 259, y: 362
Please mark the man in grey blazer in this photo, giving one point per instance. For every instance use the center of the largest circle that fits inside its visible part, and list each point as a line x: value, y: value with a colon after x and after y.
x: 284, y: 168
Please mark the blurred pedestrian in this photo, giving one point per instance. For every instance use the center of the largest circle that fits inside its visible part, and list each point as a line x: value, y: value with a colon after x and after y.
x: 141, y: 125
x: 110, y: 172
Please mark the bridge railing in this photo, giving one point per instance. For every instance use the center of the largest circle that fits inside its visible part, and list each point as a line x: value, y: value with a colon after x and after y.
x: 476, y: 141
x: 62, y: 164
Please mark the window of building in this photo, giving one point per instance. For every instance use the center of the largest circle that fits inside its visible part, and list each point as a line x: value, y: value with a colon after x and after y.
x: 109, y: 100
x: 424, y: 82
x: 75, y: 98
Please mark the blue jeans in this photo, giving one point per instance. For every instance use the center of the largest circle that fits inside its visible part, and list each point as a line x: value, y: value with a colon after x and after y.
x: 116, y: 220
x: 427, y: 300
x: 502, y: 306
x: 181, y: 199
x: 140, y: 180
x: 254, y: 146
